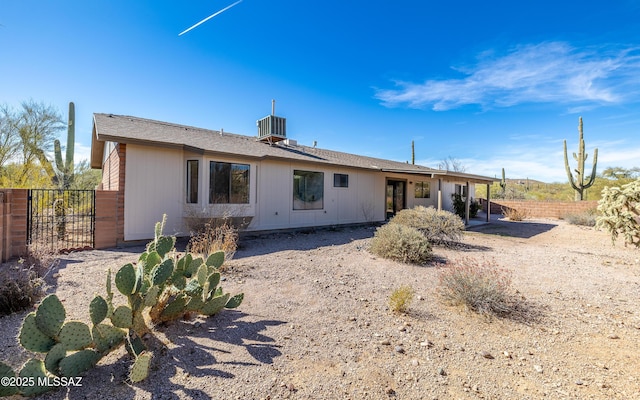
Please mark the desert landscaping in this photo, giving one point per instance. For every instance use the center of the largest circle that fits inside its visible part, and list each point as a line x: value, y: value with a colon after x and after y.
x: 316, y: 322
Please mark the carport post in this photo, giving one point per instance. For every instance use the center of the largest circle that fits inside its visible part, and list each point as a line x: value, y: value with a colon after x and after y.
x: 439, y: 194
x: 488, y: 203
x: 466, y: 206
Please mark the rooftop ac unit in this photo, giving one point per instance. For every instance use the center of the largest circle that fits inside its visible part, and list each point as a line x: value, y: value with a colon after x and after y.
x: 272, y: 129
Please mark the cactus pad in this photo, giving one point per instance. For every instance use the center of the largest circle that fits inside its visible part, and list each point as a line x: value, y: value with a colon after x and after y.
x: 140, y: 368
x: 139, y: 279
x: 175, y: 308
x: 178, y: 280
x: 152, y: 260
x: 52, y: 360
x: 107, y: 337
x: 122, y: 317
x: 151, y: 298
x: 126, y: 279
x: 75, y: 335
x: 193, y: 266
x: 193, y: 288
x: 214, y: 305
x: 78, y: 363
x: 195, y: 304
x: 216, y: 259
x: 50, y: 316
x: 98, y: 309
x: 235, y: 301
x: 33, y: 368
x: 7, y: 372
x: 164, y: 244
x: 134, y: 346
x: 162, y: 272
x: 180, y: 264
x: 203, y: 274
x: 32, y: 338
x: 213, y: 281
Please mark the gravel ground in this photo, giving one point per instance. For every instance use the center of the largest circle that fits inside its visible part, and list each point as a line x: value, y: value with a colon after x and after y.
x: 315, y: 323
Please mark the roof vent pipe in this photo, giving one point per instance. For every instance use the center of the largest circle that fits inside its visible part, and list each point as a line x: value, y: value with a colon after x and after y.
x: 273, y: 107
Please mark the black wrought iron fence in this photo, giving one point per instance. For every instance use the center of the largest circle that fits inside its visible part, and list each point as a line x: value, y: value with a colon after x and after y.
x: 61, y: 220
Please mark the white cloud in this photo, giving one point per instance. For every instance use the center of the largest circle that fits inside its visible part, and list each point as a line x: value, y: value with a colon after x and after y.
x: 549, y: 72
x: 81, y: 152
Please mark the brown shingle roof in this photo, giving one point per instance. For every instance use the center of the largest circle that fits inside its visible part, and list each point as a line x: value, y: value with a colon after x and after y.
x: 127, y: 129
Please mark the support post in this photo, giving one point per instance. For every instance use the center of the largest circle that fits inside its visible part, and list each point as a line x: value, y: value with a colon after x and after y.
x: 488, y: 203
x: 439, y: 194
x: 466, y: 205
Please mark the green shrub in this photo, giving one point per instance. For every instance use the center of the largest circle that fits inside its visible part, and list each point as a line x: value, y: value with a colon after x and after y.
x: 478, y: 286
x: 586, y: 218
x: 439, y: 227
x: 401, y: 243
x: 619, y: 210
x: 401, y: 298
x: 459, y: 206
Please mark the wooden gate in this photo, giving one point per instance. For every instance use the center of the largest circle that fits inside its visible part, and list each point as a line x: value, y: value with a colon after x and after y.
x: 61, y: 220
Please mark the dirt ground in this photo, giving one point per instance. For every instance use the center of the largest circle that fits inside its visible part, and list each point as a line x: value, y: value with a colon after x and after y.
x: 315, y: 323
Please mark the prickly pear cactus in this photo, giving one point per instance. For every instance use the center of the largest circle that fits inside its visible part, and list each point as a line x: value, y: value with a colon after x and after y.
x: 7, y: 372
x: 161, y: 286
x: 140, y: 368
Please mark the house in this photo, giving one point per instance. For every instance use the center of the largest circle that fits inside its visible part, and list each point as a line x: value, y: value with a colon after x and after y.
x: 271, y: 181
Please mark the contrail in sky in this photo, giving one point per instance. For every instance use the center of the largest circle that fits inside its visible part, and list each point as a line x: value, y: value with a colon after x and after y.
x: 209, y: 17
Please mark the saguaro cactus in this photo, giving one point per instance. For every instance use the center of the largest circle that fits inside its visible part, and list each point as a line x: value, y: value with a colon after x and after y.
x: 413, y: 153
x: 578, y: 184
x: 64, y: 170
x: 503, y: 183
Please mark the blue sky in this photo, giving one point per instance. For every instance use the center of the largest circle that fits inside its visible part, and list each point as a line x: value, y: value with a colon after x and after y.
x: 494, y: 84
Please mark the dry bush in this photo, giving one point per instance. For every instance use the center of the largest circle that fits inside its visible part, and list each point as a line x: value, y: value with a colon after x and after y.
x: 21, y: 282
x: 586, y: 218
x: 439, y: 227
x: 20, y: 287
x: 215, y: 237
x: 401, y: 298
x: 401, y: 243
x: 515, y: 214
x: 478, y: 286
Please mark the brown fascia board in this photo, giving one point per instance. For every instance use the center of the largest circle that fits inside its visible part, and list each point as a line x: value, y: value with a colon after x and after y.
x: 450, y: 176
x: 97, y: 148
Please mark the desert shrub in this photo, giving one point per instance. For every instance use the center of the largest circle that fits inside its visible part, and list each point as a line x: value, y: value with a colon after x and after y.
x: 586, y: 218
x: 478, y: 286
x: 401, y: 243
x: 215, y: 237
x: 401, y: 298
x: 459, y: 206
x: 20, y: 287
x: 21, y: 282
x: 619, y: 210
x: 515, y: 214
x: 438, y: 227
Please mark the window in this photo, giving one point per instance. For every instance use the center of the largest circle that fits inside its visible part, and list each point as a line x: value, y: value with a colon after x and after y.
x: 308, y: 190
x: 192, y: 181
x: 461, y: 190
x: 340, y: 180
x: 228, y: 183
x: 423, y: 190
